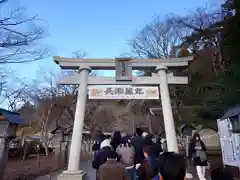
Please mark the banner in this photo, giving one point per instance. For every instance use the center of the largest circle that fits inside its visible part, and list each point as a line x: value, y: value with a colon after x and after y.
x: 123, y: 92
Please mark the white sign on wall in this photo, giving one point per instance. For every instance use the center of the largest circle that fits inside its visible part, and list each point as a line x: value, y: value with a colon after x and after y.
x: 229, y: 143
x: 123, y: 92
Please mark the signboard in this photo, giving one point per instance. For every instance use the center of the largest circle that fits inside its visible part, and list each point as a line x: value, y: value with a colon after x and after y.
x: 123, y: 92
x: 229, y: 143
x: 123, y: 69
x: 236, y: 144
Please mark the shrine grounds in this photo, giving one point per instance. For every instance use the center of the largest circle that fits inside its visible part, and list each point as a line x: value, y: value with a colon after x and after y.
x: 48, y: 168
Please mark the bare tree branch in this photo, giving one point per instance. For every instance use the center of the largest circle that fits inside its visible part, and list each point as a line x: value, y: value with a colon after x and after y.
x: 81, y: 53
x: 199, y: 23
x: 13, y: 91
x: 19, y: 36
x: 157, y: 39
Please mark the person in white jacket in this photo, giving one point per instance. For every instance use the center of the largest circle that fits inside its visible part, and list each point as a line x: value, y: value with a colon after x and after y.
x: 106, y: 143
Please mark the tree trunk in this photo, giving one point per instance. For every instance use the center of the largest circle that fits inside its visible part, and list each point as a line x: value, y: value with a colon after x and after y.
x: 179, y: 116
x: 45, y: 140
x: 45, y: 144
x: 149, y: 123
x: 3, y: 156
x: 134, y: 125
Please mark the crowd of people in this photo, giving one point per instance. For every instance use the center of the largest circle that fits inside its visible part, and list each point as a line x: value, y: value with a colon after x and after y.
x: 142, y: 157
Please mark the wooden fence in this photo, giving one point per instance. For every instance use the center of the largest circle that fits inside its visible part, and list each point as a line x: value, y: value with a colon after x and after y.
x: 212, y: 143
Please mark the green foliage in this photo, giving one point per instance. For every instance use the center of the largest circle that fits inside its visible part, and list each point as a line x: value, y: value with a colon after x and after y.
x: 225, y: 86
x: 228, y: 82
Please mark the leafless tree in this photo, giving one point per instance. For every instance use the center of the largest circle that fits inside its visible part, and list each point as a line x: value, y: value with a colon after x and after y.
x: 205, y: 35
x: 14, y: 98
x: 3, y: 80
x: 81, y: 53
x: 197, y: 22
x: 44, y: 98
x: 56, y: 105
x: 20, y: 35
x: 13, y: 91
x: 157, y: 38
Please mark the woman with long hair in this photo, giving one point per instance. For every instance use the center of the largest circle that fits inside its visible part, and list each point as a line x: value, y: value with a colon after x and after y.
x: 116, y: 140
x: 197, y: 151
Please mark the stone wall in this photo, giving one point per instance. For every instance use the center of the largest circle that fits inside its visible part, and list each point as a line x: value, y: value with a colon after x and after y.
x: 210, y: 138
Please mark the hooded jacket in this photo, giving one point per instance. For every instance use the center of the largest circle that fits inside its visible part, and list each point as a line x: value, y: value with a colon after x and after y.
x: 126, y: 153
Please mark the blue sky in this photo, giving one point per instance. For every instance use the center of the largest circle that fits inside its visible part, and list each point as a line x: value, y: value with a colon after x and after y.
x: 101, y: 28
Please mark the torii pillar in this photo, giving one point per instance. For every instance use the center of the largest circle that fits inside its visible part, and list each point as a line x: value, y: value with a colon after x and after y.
x: 73, y: 170
x: 169, y: 125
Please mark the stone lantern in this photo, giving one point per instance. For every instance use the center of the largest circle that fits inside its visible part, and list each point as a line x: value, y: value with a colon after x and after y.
x: 8, y: 126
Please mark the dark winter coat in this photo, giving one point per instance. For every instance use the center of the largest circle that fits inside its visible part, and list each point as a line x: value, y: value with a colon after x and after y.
x: 98, y: 140
x: 138, y: 143
x: 192, y: 153
x: 158, y: 147
x: 115, y: 143
x: 101, y: 157
x: 148, y: 140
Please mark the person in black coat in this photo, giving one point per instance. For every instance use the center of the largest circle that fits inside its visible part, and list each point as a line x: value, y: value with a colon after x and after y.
x: 148, y: 140
x: 158, y: 146
x: 101, y: 157
x: 98, y: 140
x: 116, y: 140
x: 138, y: 143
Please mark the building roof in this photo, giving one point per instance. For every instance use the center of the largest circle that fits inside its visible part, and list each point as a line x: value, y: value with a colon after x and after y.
x: 231, y: 112
x: 12, y: 117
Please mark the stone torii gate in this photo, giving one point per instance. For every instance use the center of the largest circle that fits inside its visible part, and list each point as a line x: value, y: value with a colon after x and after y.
x: 123, y: 67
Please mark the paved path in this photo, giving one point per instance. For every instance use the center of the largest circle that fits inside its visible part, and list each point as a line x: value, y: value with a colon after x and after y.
x: 91, y: 173
x: 85, y: 166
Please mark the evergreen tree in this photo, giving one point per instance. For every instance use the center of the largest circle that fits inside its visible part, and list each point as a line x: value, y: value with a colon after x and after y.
x: 230, y: 95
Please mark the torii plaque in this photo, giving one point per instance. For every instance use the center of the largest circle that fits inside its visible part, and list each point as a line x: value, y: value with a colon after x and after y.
x: 123, y: 69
